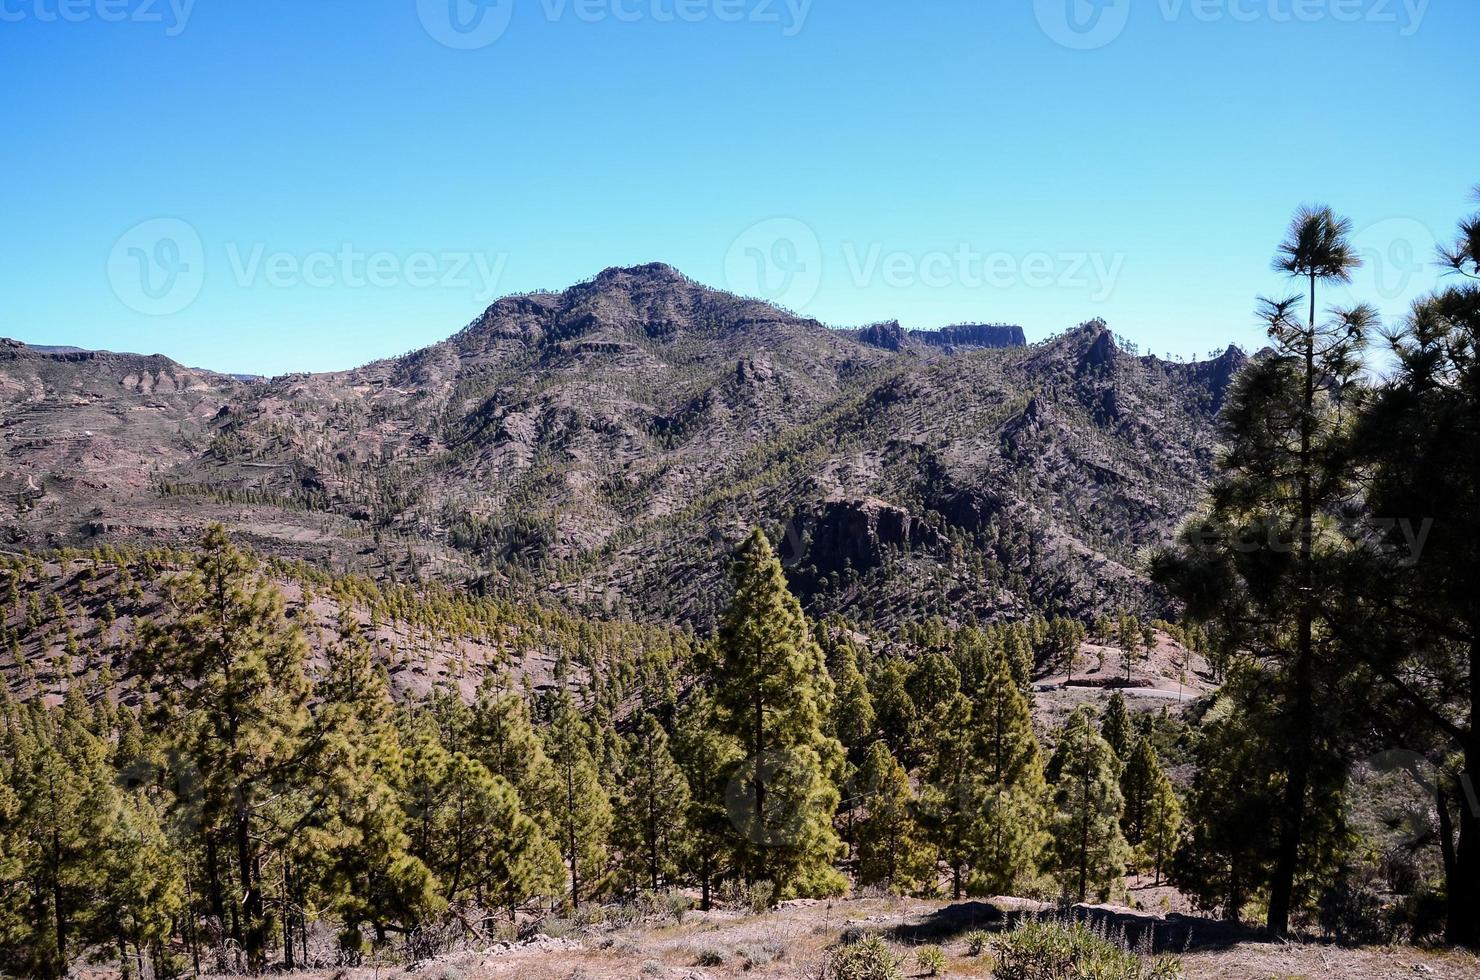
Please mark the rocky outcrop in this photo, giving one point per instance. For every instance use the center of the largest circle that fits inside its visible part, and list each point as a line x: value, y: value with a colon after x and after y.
x: 888, y: 335
x: 858, y: 534
x: 973, y: 335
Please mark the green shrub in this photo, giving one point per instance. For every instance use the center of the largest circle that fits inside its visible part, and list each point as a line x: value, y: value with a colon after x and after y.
x: 931, y: 960
x: 868, y: 959
x: 760, y: 896
x: 978, y: 941
x: 1042, y: 950
x: 710, y: 957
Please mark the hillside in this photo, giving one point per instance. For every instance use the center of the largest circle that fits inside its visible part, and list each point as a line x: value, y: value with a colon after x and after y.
x: 605, y: 446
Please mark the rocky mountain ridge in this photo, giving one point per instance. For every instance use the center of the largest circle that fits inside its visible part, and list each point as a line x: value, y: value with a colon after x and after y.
x: 604, y: 446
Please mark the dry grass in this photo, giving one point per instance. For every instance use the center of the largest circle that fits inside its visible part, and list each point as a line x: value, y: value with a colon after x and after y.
x: 791, y: 943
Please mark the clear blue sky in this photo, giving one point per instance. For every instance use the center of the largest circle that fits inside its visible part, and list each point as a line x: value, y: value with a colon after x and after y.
x: 275, y: 186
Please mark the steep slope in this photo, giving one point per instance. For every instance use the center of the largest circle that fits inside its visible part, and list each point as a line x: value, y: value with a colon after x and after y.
x: 606, y: 445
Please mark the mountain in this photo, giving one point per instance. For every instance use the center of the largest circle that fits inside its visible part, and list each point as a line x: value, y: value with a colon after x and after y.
x: 605, y: 446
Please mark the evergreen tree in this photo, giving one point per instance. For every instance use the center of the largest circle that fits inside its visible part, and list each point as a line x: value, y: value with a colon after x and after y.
x: 771, y: 693
x: 1010, y: 833
x: 1129, y: 638
x: 953, y: 790
x: 1115, y: 727
x: 1411, y: 613
x: 706, y: 757
x: 897, y: 716
x: 1224, y: 861
x: 357, y: 845
x: 583, y: 817
x: 890, y: 852
x: 502, y: 736
x: 486, y: 849
x: 1264, y: 560
x: 1153, y: 814
x: 230, y: 670
x: 650, y: 825
x: 1089, y: 853
x: 1163, y: 825
x: 853, y: 717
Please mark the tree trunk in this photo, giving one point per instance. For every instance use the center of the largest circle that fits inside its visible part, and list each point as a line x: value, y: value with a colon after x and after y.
x: 1297, y: 772
x: 760, y: 791
x: 251, y: 902
x: 1463, y: 924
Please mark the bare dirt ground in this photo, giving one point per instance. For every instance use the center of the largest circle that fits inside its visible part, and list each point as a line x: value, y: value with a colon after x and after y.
x: 792, y: 943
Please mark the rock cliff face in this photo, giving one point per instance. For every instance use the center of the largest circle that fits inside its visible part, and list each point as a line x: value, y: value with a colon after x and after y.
x: 973, y: 335
x: 606, y: 445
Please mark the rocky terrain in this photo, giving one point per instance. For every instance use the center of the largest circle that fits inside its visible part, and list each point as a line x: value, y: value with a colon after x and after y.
x: 605, y: 446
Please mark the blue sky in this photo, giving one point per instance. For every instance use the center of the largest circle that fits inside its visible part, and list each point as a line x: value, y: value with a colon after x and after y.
x: 275, y: 186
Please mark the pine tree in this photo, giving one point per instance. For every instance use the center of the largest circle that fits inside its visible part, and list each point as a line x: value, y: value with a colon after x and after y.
x: 486, y: 849
x: 1115, y: 727
x: 1129, y: 638
x: 143, y: 888
x: 360, y: 851
x: 890, y: 852
x: 1163, y: 825
x: 898, y: 718
x: 706, y: 757
x: 1010, y: 835
x: 1265, y: 561
x: 1088, y: 851
x: 953, y: 789
x: 1152, y: 819
x: 1412, y: 614
x: 230, y: 669
x: 1224, y: 861
x: 771, y: 693
x: 650, y: 829
x: 853, y: 717
x: 583, y: 818
x: 1136, y: 782
x: 502, y: 736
